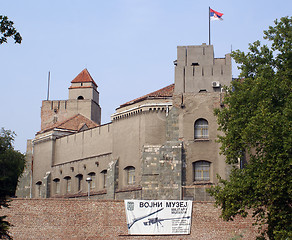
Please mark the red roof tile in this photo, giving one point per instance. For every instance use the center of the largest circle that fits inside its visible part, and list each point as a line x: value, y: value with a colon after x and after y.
x: 82, y: 77
x: 80, y: 87
x: 74, y: 123
x: 165, y: 92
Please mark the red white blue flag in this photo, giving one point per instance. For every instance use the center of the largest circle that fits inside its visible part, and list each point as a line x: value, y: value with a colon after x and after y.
x: 215, y: 15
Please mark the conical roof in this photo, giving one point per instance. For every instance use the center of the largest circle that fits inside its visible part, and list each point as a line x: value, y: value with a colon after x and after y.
x: 83, y: 77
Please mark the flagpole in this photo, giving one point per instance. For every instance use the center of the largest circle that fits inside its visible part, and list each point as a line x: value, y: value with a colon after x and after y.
x: 48, y: 94
x: 209, y: 29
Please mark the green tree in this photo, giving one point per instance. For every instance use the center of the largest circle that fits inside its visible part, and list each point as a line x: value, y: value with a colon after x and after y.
x: 8, y: 30
x: 256, y: 122
x: 11, y: 167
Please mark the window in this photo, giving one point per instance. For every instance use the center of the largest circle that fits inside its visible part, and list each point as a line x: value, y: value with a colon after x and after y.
x: 38, y: 189
x: 57, y: 185
x: 203, y: 91
x: 92, y: 176
x: 79, y: 182
x: 201, y: 129
x: 104, y: 175
x: 80, y: 98
x: 130, y: 173
x: 201, y: 171
x: 68, y: 184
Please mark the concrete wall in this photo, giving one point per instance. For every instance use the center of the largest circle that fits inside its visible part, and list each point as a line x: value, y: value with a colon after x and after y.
x: 91, y: 219
x: 196, y: 106
x: 130, y: 134
x: 197, y: 68
x: 89, y: 106
x: 122, y: 140
x: 85, y: 144
x: 128, y: 138
x: 87, y: 90
x: 82, y: 153
x: 86, y: 167
x: 155, y: 127
x: 43, y: 152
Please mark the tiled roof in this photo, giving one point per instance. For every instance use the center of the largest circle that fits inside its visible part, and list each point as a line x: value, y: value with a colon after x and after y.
x: 165, y: 92
x: 83, y: 77
x: 80, y: 87
x: 75, y: 123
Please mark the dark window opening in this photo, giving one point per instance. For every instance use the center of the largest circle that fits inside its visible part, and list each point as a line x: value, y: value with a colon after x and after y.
x: 68, y: 184
x: 195, y: 64
x: 203, y: 91
x: 38, y: 188
x: 57, y: 185
x: 104, y: 175
x: 79, y: 182
x: 93, y: 179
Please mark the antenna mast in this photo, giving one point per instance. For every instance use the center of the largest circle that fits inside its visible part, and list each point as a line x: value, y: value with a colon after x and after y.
x: 48, y: 94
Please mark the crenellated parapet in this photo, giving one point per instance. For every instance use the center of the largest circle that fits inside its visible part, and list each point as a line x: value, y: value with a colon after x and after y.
x: 196, y: 70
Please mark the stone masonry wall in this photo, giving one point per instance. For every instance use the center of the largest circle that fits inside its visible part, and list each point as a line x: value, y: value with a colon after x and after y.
x: 162, y: 171
x: 105, y: 219
x: 150, y: 171
x: 170, y: 168
x: 23, y: 188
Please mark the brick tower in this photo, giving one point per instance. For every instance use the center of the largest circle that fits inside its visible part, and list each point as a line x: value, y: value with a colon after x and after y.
x: 83, y: 99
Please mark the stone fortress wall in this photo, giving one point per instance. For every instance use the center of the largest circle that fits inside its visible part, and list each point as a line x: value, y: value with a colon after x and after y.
x: 58, y: 219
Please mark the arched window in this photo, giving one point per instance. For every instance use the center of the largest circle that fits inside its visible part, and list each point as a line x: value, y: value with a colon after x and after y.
x: 201, y: 129
x: 38, y: 189
x: 80, y: 98
x: 57, y: 185
x: 130, y: 174
x: 93, y: 179
x: 201, y: 171
x: 68, y: 184
x: 103, y: 178
x: 79, y: 178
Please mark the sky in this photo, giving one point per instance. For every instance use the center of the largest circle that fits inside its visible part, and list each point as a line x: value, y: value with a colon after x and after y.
x: 128, y: 47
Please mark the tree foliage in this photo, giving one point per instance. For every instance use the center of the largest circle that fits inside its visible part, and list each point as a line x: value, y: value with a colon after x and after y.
x: 257, y: 123
x: 8, y: 30
x: 11, y: 167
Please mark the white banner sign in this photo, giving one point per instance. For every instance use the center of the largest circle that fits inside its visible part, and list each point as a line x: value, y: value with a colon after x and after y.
x: 156, y: 217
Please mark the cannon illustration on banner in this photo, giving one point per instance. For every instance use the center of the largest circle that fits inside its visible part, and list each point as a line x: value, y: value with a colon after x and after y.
x: 140, y: 218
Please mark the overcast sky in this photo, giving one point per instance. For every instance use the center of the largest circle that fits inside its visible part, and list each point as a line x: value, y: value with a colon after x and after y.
x: 128, y: 46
